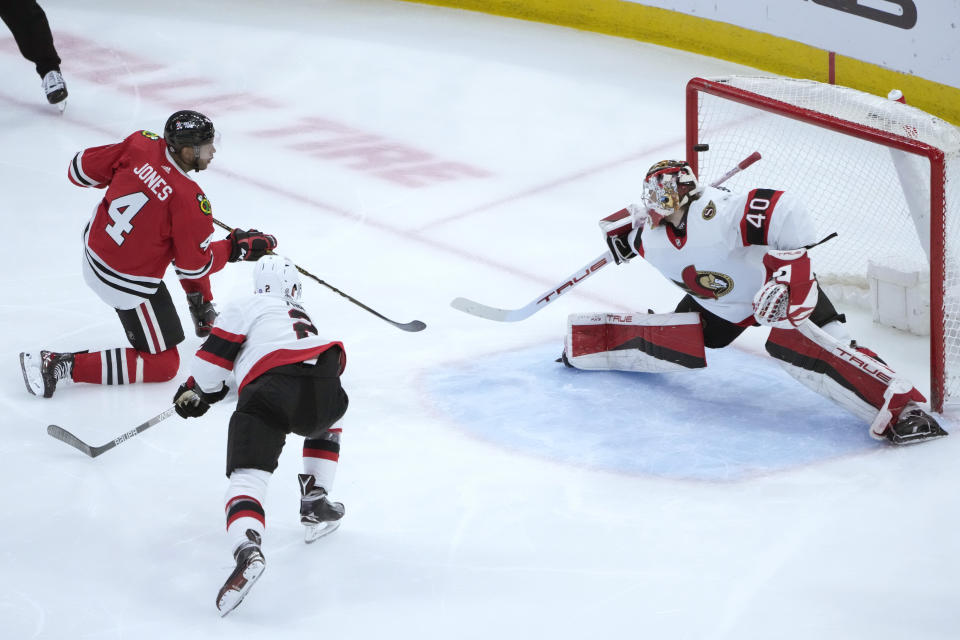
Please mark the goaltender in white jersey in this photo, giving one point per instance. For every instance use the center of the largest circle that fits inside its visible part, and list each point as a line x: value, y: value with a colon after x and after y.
x: 715, y: 253
x: 288, y: 381
x: 742, y: 260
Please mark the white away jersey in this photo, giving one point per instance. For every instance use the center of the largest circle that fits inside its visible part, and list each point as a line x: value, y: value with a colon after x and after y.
x: 256, y: 334
x: 718, y: 260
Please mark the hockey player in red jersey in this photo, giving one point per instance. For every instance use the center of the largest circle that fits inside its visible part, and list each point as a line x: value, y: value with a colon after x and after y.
x: 742, y: 260
x: 289, y: 382
x: 152, y: 214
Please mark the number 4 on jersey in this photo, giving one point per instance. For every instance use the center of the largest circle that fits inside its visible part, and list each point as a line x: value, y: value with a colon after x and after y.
x: 121, y: 212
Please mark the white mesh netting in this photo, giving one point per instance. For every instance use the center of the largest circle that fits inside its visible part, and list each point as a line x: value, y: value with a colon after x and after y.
x: 875, y: 197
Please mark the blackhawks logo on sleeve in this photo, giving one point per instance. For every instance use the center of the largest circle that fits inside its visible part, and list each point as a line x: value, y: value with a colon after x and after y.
x: 149, y: 134
x: 205, y: 206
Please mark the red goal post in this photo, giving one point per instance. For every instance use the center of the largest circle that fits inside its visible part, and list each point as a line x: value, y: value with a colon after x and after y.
x: 885, y: 176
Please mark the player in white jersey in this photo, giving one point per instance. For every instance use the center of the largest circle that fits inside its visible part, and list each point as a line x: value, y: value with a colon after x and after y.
x: 742, y: 260
x: 289, y: 382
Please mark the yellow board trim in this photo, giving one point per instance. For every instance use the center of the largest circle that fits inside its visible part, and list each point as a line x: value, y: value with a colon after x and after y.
x: 720, y: 40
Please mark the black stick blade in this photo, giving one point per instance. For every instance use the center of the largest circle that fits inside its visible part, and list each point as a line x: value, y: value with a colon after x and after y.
x: 412, y: 326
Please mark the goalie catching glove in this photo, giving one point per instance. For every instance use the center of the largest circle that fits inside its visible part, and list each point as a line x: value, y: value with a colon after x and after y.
x: 191, y: 401
x: 250, y: 245
x: 790, y: 293
x: 617, y: 228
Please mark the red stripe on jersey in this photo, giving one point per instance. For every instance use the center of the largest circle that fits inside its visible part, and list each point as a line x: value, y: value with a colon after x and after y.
x: 281, y: 357
x: 755, y: 223
x: 319, y: 453
x: 226, y: 335
x: 215, y: 360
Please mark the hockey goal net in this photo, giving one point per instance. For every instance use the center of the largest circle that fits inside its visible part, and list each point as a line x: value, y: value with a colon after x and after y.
x: 883, y: 175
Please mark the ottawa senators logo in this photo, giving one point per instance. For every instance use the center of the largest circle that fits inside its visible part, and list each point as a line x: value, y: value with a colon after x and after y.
x: 149, y: 134
x: 709, y: 211
x: 705, y: 284
x: 205, y: 205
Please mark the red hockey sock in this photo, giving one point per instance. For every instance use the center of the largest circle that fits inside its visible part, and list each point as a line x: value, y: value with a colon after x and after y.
x: 125, y: 366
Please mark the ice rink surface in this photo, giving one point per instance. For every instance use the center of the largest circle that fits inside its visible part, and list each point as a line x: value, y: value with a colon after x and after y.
x: 408, y: 155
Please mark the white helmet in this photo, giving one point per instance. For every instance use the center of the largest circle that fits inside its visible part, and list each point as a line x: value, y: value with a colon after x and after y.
x: 275, y: 275
x: 668, y: 186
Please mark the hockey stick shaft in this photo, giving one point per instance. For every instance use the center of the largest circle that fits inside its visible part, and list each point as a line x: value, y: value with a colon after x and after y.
x: 414, y: 325
x: 513, y: 315
x: 65, y: 436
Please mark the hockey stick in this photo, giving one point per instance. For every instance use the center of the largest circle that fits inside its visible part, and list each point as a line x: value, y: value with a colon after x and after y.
x: 513, y: 315
x: 63, y: 435
x: 414, y: 325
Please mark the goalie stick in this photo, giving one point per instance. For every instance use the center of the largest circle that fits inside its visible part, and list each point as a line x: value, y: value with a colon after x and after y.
x: 513, y: 315
x: 413, y: 325
x: 65, y: 436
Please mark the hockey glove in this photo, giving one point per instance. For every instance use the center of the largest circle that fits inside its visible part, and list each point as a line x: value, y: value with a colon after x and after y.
x: 250, y: 245
x: 790, y: 293
x: 202, y: 312
x: 617, y: 228
x: 191, y: 401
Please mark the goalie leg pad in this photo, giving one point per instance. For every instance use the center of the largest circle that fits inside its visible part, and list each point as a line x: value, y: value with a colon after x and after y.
x: 652, y: 343
x: 852, y: 378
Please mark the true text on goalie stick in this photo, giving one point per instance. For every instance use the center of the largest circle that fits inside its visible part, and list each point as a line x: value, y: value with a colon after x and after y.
x: 514, y: 315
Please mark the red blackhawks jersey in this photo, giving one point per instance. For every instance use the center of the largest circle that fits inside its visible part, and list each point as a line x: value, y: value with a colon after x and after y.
x: 256, y: 334
x: 151, y: 215
x: 716, y: 256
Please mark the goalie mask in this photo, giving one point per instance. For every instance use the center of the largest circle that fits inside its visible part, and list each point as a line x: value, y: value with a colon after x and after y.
x: 669, y: 186
x: 275, y: 275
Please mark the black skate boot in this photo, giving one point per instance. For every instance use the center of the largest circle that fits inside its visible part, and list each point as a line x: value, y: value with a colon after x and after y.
x: 55, y: 88
x: 320, y: 516
x: 914, y: 425
x: 42, y: 371
x: 250, y: 564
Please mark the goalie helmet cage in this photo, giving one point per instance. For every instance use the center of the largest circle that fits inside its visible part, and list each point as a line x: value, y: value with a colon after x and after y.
x: 885, y: 176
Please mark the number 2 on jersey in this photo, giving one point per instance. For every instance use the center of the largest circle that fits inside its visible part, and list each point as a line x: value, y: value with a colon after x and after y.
x: 121, y: 212
x: 302, y: 328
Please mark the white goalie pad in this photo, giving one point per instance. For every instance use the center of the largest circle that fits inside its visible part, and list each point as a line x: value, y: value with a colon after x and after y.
x: 652, y: 343
x: 852, y: 378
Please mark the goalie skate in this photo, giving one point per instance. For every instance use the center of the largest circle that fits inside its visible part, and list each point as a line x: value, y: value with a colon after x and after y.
x: 250, y: 564
x: 320, y: 516
x: 912, y: 426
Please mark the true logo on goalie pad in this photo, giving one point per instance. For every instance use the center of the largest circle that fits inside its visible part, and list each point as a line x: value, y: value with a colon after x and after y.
x: 635, y: 342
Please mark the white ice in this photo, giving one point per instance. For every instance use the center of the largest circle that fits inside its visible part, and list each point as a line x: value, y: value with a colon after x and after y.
x: 490, y: 492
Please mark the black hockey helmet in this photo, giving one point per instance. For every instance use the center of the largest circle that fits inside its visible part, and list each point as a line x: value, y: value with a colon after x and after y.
x: 187, y: 129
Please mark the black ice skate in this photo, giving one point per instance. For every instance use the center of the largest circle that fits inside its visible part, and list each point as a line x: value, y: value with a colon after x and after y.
x: 42, y: 371
x: 914, y: 425
x: 320, y: 516
x: 250, y: 564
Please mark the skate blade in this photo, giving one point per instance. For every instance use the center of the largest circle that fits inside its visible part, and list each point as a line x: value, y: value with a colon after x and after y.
x: 316, y: 531
x: 26, y: 376
x: 230, y: 598
x: 907, y: 441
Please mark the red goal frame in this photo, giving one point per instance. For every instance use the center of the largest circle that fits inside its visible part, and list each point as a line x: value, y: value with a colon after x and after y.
x: 936, y: 157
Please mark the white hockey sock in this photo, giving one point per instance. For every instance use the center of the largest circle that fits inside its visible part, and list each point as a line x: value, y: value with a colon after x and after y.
x: 321, y: 455
x: 244, y: 504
